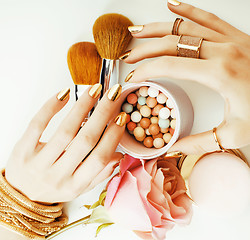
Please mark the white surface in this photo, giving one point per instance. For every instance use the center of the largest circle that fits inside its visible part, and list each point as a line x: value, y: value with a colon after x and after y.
x: 35, y: 37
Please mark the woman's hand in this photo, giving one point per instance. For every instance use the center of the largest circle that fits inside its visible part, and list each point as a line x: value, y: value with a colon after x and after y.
x: 54, y: 172
x: 224, y: 66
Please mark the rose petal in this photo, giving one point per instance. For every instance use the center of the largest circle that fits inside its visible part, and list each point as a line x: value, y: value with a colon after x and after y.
x: 144, y: 187
x: 127, y: 208
x: 151, y: 167
x: 144, y: 235
x: 111, y: 190
x: 184, y: 201
x: 159, y: 233
x: 129, y: 163
x: 165, y: 164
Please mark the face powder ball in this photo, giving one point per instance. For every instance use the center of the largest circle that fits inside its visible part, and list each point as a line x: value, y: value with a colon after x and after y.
x: 147, y: 131
x: 148, y: 142
x: 128, y: 118
x: 159, y: 135
x: 145, y: 122
x: 145, y: 111
x: 151, y: 102
x: 154, y: 129
x: 173, y: 123
x: 164, y: 113
x: 164, y: 123
x: 169, y: 103
x: 127, y: 108
x: 158, y: 143
x: 132, y: 98
x: 142, y: 101
x: 139, y: 134
x: 171, y: 130
x: 161, y: 98
x: 164, y: 130
x: 154, y: 120
x: 167, y: 137
x: 153, y: 92
x: 136, y: 117
x: 173, y: 115
x: 131, y: 126
x: 143, y: 91
x: 156, y: 109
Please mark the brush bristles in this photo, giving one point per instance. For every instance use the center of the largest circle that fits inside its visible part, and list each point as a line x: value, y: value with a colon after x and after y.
x: 111, y: 35
x: 84, y: 63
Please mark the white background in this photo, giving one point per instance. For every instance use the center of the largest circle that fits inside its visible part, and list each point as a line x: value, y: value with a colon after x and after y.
x: 34, y: 38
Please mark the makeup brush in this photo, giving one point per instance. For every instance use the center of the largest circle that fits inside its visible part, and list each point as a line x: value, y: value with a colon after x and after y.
x: 112, y: 38
x: 84, y: 64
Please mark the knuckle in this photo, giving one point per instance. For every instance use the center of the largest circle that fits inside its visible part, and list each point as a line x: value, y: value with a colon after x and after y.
x: 65, y: 135
x: 232, y: 50
x: 211, y: 17
x: 189, y: 26
x: 35, y: 125
x: 86, y: 140
x: 102, y: 160
x: 104, y: 109
x: 191, y: 9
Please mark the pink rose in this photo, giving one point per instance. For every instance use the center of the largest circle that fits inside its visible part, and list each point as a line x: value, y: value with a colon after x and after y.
x: 148, y: 197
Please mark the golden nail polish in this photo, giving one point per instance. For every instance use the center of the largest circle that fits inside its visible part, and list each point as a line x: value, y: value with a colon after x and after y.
x: 63, y: 94
x: 95, y: 90
x: 174, y: 154
x: 130, y: 75
x: 120, y: 120
x: 136, y: 28
x: 174, y: 2
x: 125, y: 55
x: 115, y: 92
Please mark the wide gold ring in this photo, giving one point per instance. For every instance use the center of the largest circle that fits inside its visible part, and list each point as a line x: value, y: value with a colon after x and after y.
x: 189, y: 46
x: 217, y: 140
x: 176, y: 26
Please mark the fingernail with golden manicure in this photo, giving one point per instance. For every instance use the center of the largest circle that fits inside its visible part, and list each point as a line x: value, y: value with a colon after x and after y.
x: 120, y: 120
x: 174, y: 154
x: 115, y: 92
x: 95, y: 90
x: 63, y: 94
x: 136, y: 28
x: 125, y: 55
x: 174, y: 2
x: 130, y: 75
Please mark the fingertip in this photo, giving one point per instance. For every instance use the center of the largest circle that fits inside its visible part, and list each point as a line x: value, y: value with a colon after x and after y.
x: 134, y: 30
x: 173, y: 4
x: 63, y: 95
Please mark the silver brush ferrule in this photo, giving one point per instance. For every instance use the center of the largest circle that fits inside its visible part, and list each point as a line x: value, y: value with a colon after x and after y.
x: 79, y: 90
x: 109, y: 74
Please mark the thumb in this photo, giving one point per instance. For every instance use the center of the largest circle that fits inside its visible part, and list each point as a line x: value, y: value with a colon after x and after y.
x: 196, y: 144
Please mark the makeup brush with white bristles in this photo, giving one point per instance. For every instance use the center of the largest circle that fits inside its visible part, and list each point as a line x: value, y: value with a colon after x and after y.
x: 84, y: 64
x: 112, y: 38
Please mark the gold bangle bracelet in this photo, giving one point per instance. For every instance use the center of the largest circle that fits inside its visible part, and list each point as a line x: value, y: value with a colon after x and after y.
x: 27, y: 203
x: 27, y: 218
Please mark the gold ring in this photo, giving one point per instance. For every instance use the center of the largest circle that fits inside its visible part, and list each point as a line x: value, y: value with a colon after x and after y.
x: 176, y: 26
x: 188, y: 46
x: 217, y: 140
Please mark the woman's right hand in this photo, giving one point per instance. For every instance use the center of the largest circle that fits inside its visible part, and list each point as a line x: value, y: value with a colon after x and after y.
x: 54, y: 172
x: 224, y: 67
